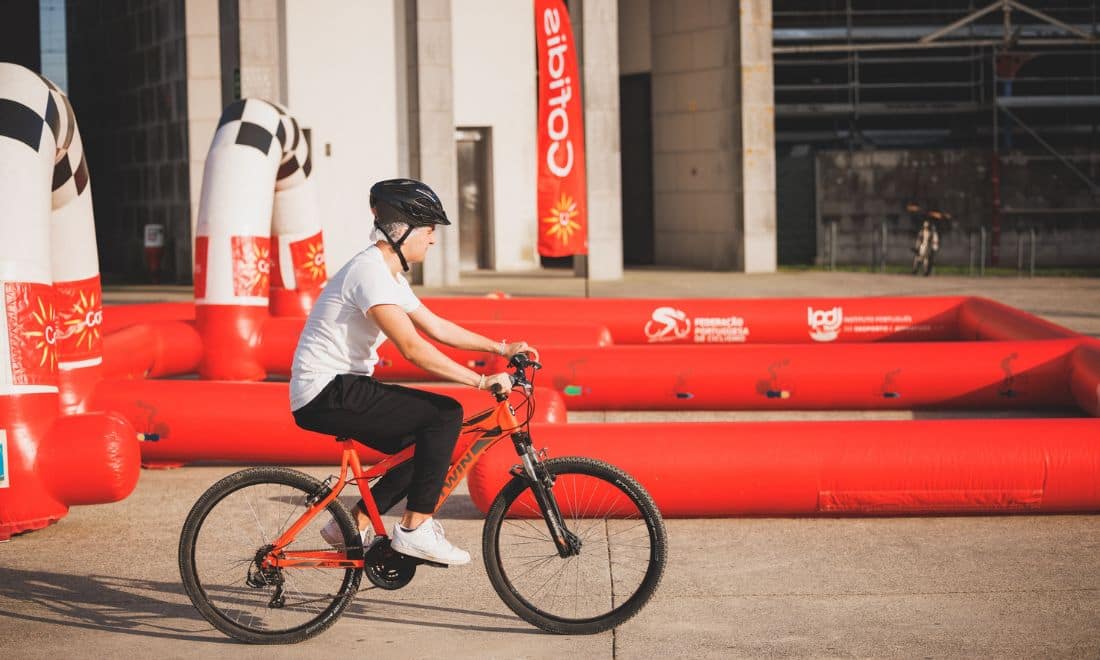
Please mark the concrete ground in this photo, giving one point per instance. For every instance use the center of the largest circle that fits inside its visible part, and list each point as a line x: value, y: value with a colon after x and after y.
x: 104, y: 580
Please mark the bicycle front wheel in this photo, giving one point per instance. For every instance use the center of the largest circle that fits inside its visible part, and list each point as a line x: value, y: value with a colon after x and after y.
x: 228, y: 532
x: 617, y: 570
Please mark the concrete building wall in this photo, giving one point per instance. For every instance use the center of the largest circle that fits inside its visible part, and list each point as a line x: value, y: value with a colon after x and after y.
x: 635, y: 53
x: 757, y: 99
x: 696, y: 135
x: 435, y: 125
x: 494, y: 86
x: 601, y: 132
x: 204, y: 100
x: 340, y: 82
x: 713, y: 130
x: 260, y: 53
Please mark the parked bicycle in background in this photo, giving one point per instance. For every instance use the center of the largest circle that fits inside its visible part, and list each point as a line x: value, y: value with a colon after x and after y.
x: 927, y: 242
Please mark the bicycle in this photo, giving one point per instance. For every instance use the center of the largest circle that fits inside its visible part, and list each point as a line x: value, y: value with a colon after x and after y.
x: 927, y: 241
x: 247, y: 563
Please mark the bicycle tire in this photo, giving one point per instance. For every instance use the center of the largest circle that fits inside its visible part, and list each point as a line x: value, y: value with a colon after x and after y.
x: 571, y: 492
x: 278, y: 479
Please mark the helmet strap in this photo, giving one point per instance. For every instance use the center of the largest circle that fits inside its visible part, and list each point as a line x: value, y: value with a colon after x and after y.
x: 396, y: 245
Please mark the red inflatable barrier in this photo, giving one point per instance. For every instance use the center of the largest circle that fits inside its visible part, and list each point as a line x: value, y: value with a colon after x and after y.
x: 801, y: 377
x: 50, y: 463
x: 727, y: 320
x: 981, y: 319
x: 117, y: 317
x: 1085, y: 377
x: 732, y: 320
x: 152, y: 350
x: 230, y: 341
x: 247, y: 422
x: 280, y: 337
x: 835, y: 468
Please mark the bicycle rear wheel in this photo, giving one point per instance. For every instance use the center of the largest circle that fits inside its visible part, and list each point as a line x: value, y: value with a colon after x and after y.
x: 232, y: 526
x: 620, y: 562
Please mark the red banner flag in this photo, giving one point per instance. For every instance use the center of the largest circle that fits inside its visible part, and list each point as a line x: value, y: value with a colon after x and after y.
x: 562, y: 205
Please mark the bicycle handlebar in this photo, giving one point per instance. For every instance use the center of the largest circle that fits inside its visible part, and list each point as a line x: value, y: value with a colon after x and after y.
x: 521, y: 363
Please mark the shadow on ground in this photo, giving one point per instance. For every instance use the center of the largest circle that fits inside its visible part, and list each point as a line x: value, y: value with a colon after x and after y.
x: 154, y: 609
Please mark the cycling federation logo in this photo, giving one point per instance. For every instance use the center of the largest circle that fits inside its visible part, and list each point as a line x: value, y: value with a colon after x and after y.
x: 667, y: 324
x: 824, y: 323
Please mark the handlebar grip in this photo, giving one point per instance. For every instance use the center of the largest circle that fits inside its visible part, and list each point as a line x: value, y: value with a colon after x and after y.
x: 498, y: 393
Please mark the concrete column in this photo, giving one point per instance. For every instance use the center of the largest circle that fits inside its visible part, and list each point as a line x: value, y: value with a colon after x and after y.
x: 261, y: 57
x: 204, y: 97
x: 758, y: 137
x: 433, y: 150
x: 404, y: 43
x: 599, y: 33
x: 705, y: 167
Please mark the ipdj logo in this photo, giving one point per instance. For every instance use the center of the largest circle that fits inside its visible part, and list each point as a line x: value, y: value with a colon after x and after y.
x: 824, y: 323
x: 667, y: 324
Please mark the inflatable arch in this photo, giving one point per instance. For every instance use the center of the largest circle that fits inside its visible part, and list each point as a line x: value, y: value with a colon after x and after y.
x: 52, y: 453
x: 259, y: 251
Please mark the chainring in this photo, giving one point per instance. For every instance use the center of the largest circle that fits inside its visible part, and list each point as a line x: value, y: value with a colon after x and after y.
x: 387, y: 569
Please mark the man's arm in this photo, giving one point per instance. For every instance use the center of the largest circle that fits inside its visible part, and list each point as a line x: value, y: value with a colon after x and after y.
x: 452, y: 334
x: 399, y: 328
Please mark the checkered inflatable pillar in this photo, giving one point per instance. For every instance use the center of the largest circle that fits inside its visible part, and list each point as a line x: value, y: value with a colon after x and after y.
x: 257, y: 175
x: 298, y: 251
x: 50, y: 282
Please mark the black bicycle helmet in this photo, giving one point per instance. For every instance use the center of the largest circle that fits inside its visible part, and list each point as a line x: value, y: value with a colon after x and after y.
x: 407, y: 201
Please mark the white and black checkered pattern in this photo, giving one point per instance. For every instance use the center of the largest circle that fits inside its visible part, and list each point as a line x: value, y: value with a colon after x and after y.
x: 255, y: 130
x: 25, y: 124
x: 70, y: 172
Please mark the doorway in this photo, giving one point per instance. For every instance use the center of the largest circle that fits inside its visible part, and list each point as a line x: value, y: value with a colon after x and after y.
x: 475, y: 198
x: 636, y: 143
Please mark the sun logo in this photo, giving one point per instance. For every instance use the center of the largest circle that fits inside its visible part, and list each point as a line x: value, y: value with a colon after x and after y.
x: 43, y: 333
x: 258, y: 268
x: 313, y: 264
x: 560, y: 222
x: 86, y: 317
x: 251, y: 265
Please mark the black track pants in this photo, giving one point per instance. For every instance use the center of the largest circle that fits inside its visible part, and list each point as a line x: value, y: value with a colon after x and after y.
x: 389, y: 418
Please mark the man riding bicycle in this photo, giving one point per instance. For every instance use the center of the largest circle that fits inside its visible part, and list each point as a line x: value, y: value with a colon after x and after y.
x: 332, y: 390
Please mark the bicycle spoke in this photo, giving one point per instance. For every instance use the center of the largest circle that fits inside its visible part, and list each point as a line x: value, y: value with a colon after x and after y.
x: 616, y: 546
x: 240, y: 589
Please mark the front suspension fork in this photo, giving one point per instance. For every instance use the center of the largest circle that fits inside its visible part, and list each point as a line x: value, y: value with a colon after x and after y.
x: 542, y: 486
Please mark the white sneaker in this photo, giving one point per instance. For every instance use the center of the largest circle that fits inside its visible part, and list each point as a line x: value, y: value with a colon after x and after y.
x: 332, y: 534
x: 427, y: 542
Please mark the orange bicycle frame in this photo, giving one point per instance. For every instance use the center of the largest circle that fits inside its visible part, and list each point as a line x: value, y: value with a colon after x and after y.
x: 479, y: 432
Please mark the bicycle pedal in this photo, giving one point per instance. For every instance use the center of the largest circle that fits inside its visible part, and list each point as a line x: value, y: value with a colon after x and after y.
x: 432, y: 563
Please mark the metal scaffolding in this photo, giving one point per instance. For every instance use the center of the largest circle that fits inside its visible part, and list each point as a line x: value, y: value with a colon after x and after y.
x: 1018, y: 78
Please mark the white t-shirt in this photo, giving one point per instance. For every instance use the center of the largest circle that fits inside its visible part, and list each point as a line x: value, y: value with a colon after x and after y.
x: 340, y: 337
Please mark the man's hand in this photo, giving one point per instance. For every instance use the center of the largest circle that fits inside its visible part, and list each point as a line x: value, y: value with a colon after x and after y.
x: 520, y: 347
x: 504, y: 379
